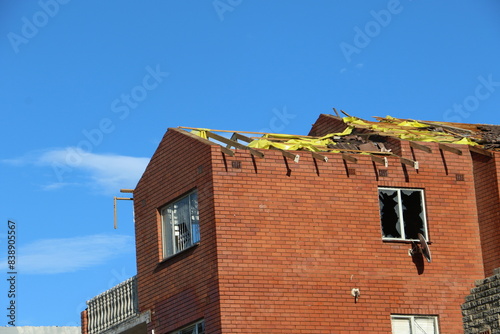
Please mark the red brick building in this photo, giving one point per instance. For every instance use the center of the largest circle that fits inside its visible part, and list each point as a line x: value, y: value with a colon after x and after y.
x: 321, y: 237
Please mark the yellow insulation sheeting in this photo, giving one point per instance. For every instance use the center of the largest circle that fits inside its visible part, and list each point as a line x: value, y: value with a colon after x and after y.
x: 414, y: 124
x: 466, y: 141
x: 346, y: 132
x: 354, y: 120
x: 201, y: 133
x: 290, y: 145
x: 410, y: 130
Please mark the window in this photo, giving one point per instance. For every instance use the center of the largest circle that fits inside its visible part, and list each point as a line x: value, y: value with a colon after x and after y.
x: 402, y: 213
x: 197, y: 328
x: 180, y: 223
x: 414, y: 324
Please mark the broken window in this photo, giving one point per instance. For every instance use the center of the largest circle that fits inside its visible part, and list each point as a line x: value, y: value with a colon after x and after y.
x: 402, y: 213
x: 180, y: 223
x: 414, y: 324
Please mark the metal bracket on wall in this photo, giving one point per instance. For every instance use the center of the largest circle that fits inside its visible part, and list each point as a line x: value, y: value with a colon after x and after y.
x: 115, y: 221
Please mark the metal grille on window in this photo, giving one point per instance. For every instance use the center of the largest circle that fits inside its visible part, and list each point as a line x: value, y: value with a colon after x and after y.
x: 181, y: 224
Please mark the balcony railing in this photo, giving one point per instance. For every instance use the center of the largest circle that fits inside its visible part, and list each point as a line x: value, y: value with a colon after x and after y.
x: 113, y: 306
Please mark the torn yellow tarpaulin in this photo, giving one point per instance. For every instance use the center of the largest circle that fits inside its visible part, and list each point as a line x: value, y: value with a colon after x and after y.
x: 410, y: 130
x: 289, y: 145
x: 354, y: 120
x: 297, y: 142
x: 412, y: 123
x: 201, y: 133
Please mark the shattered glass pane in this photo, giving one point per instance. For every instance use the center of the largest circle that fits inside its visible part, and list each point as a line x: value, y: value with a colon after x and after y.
x: 389, y: 213
x: 413, y: 213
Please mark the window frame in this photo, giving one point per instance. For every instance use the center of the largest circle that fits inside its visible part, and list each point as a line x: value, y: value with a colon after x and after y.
x: 401, y: 222
x: 170, y: 245
x: 412, y: 317
x: 194, y: 326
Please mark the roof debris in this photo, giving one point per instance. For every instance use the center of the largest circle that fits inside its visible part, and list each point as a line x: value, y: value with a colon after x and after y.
x: 367, y: 137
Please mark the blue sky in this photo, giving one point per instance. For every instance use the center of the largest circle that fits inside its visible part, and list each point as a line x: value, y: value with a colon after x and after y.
x: 89, y: 88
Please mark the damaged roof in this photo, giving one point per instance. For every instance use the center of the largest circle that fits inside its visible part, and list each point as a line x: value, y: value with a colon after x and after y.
x: 367, y: 137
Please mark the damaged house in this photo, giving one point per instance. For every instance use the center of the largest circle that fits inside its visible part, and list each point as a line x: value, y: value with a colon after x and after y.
x: 358, y: 227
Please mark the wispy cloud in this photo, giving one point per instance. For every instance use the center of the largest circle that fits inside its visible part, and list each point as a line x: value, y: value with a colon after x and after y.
x: 103, y: 172
x: 64, y: 255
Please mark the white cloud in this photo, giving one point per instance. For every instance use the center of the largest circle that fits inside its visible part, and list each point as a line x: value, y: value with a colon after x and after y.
x: 109, y: 172
x: 105, y: 172
x: 56, y: 256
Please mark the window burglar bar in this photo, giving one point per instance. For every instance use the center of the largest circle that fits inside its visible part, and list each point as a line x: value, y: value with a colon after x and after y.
x: 113, y: 306
x: 180, y: 224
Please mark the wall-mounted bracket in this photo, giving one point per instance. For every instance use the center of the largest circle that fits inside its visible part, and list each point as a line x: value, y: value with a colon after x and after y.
x: 115, y: 225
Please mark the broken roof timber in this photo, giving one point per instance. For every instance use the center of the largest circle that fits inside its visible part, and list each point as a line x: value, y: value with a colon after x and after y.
x: 420, y: 147
x: 319, y: 156
x: 380, y: 160
x: 444, y: 147
x: 480, y: 151
x: 233, y: 143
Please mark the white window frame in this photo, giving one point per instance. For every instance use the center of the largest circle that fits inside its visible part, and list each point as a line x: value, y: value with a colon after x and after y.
x: 196, y: 328
x: 180, y: 224
x: 400, y: 214
x: 414, y: 326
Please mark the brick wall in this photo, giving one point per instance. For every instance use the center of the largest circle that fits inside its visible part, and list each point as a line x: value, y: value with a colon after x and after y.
x: 293, y: 239
x: 283, y: 243
x: 183, y: 288
x: 326, y: 124
x: 486, y: 174
x: 84, y: 321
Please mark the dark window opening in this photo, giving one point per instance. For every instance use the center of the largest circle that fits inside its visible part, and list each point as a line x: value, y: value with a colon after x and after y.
x: 402, y: 213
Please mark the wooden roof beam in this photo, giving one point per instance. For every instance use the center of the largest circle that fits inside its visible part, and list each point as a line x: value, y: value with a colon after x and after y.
x: 237, y: 136
x: 350, y: 158
x: 444, y: 147
x: 409, y: 162
x: 318, y: 156
x: 235, y: 144
x: 420, y: 147
x: 380, y: 160
x: 480, y: 151
x: 286, y: 154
